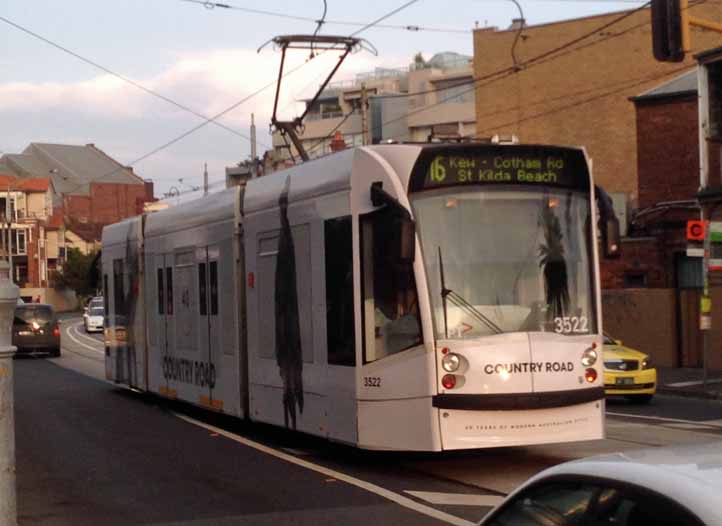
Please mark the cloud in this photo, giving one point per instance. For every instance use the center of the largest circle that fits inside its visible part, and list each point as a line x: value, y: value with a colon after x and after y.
x: 128, y: 123
x: 206, y: 82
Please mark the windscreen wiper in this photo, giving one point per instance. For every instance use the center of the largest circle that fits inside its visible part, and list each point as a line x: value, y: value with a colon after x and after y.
x: 460, y: 302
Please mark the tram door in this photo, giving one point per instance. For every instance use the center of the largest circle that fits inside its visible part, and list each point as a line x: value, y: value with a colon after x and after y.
x: 183, y: 363
x: 166, y: 325
x: 287, y: 361
x: 209, y: 330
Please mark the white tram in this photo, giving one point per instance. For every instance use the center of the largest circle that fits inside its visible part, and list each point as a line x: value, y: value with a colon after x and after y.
x: 404, y: 297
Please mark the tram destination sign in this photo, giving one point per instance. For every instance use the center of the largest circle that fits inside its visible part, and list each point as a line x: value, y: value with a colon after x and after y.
x: 495, y: 164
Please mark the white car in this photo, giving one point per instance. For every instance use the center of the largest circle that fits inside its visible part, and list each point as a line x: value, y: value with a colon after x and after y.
x: 94, y: 318
x: 676, y: 486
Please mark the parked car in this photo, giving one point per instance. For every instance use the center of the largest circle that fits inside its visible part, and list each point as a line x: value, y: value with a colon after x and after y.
x: 36, y: 329
x: 678, y: 486
x: 628, y: 372
x: 94, y: 319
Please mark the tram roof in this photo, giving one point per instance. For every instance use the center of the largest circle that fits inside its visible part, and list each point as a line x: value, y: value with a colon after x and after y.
x: 213, y: 208
x: 326, y: 175
x: 128, y: 229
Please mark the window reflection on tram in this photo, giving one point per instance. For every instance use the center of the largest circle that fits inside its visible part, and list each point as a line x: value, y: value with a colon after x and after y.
x: 512, y: 261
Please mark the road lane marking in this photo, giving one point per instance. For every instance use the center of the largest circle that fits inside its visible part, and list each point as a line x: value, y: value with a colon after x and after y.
x: 707, y: 423
x: 367, y: 486
x: 76, y: 328
x: 696, y: 382
x: 68, y: 331
x: 457, y: 499
x: 91, y: 341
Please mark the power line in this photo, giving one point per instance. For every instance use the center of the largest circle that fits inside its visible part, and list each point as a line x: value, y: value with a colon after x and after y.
x: 232, y: 107
x: 587, y: 100
x: 122, y: 77
x: 330, y: 134
x: 495, y: 76
x: 348, y: 23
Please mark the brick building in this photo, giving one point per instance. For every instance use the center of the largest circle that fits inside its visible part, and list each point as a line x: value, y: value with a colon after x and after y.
x: 89, y: 187
x: 82, y: 190
x: 658, y: 310
x: 579, y: 94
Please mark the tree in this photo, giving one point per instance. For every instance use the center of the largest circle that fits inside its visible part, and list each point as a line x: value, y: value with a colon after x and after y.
x: 419, y: 62
x: 77, y: 273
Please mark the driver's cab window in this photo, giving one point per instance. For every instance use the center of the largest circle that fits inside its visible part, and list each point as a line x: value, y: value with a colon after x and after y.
x: 389, y: 300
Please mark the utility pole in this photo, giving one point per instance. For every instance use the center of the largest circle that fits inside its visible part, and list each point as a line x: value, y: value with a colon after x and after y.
x: 8, y: 215
x: 254, y: 157
x: 8, y: 495
x: 364, y: 115
x: 205, y: 179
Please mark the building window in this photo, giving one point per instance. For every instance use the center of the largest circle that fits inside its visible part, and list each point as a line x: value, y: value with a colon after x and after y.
x: 20, y: 242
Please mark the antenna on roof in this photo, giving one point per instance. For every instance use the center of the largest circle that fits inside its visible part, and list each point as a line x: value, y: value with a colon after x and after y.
x: 314, y: 43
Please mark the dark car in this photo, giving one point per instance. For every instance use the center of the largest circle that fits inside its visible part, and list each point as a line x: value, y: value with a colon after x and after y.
x: 36, y: 329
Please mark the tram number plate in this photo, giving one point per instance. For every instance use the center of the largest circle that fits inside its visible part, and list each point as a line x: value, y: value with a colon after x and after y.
x: 571, y: 325
x: 372, y: 381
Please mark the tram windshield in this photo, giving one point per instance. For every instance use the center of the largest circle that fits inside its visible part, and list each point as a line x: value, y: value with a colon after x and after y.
x: 510, y: 260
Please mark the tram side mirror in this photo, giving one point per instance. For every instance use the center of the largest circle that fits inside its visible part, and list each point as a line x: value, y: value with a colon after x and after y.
x: 608, y: 225
x: 611, y: 238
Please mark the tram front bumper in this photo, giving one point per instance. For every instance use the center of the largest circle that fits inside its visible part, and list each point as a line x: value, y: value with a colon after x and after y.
x: 470, y: 429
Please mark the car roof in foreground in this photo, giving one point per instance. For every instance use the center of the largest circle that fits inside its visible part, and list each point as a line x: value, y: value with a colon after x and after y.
x: 691, y: 475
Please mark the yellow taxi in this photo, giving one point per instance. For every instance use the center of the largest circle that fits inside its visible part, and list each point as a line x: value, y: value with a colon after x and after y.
x: 628, y: 372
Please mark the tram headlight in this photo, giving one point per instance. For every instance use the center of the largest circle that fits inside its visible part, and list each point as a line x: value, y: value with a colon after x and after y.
x: 451, y: 362
x: 589, y: 357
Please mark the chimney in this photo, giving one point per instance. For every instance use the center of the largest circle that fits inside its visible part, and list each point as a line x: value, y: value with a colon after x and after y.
x: 517, y: 23
x: 337, y: 143
x: 149, y: 190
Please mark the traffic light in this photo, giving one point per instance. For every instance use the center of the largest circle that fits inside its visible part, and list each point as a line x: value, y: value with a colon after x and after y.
x: 668, y: 30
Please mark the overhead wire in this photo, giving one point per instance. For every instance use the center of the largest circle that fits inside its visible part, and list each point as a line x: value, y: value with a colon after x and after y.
x: 575, y: 104
x: 332, y: 132
x: 122, y: 77
x: 497, y: 75
x: 347, y: 23
x: 500, y: 74
x: 233, y: 106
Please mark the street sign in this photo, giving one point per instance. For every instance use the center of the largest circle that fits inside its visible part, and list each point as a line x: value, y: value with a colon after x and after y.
x: 695, y: 230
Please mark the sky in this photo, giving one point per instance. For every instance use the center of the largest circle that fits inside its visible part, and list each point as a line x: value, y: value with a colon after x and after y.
x: 206, y: 59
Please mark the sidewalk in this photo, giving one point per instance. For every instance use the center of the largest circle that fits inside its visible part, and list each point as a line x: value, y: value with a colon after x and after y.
x: 688, y: 382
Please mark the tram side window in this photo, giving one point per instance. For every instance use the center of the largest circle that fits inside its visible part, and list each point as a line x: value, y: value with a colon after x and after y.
x: 105, y: 294
x: 340, y: 333
x: 169, y: 290
x: 390, y: 303
x: 161, y: 300
x: 202, y: 298
x: 213, y: 271
x: 118, y: 289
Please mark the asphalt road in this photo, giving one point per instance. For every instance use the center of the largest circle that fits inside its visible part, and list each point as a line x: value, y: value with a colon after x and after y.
x: 92, y: 453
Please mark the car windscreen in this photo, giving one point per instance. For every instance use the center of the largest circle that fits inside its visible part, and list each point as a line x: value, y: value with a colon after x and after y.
x: 30, y: 313
x: 97, y: 311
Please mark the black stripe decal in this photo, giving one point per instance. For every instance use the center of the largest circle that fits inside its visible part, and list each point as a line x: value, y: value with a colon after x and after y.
x: 517, y: 401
